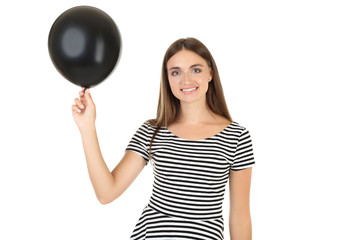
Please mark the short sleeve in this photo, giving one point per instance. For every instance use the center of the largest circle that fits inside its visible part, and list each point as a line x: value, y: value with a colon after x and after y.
x: 140, y: 142
x: 243, y: 157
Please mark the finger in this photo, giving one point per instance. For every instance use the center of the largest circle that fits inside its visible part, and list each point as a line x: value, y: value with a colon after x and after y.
x: 83, y: 99
x: 75, y: 109
x: 81, y: 94
x: 79, y: 103
x: 88, y: 97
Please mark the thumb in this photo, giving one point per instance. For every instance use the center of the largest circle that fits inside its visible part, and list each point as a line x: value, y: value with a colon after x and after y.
x: 88, y: 97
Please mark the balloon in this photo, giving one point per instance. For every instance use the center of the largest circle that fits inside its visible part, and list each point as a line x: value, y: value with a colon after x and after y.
x: 84, y: 45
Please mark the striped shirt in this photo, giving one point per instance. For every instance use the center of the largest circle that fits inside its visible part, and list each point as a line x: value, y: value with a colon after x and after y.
x: 189, y: 181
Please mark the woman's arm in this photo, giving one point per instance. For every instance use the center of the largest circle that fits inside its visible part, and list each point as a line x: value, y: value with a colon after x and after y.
x: 239, y: 218
x: 107, y: 185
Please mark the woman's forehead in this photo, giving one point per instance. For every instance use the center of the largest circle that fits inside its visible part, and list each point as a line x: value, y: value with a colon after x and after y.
x: 185, y: 59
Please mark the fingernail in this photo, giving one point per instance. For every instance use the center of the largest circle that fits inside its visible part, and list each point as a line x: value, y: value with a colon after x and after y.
x: 81, y: 106
x: 87, y: 90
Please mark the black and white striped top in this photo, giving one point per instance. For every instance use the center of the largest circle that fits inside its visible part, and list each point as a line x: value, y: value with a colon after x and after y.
x: 190, y: 179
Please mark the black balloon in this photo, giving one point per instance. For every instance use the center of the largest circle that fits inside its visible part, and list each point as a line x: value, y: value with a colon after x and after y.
x: 84, y: 45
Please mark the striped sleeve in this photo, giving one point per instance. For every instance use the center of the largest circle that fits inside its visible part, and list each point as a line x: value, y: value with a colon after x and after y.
x: 140, y: 142
x: 243, y: 157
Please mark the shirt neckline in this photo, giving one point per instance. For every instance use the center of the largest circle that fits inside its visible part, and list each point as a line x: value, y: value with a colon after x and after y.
x: 203, y: 139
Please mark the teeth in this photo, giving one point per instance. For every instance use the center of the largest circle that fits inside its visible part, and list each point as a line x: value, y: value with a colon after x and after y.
x: 189, y: 89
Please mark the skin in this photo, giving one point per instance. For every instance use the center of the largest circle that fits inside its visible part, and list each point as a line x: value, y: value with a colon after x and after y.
x: 186, y: 70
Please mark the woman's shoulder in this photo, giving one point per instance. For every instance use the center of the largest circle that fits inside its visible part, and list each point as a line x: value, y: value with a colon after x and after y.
x: 145, y: 130
x: 150, y: 125
x: 237, y: 127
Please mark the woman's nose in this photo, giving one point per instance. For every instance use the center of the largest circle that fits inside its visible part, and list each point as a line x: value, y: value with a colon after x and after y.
x: 186, y: 78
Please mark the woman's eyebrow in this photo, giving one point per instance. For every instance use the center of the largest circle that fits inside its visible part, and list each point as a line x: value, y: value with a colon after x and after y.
x: 173, y: 68
x: 196, y: 65
x: 192, y: 66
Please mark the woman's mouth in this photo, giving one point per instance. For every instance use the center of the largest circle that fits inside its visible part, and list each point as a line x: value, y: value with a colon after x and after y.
x: 189, y: 90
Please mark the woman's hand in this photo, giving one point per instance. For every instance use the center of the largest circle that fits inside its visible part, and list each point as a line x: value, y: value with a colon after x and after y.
x: 84, y: 111
x: 107, y: 185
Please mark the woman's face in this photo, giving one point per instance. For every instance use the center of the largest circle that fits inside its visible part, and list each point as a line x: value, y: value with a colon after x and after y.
x: 189, y: 76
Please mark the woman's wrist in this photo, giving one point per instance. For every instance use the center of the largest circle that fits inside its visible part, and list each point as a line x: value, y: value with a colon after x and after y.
x: 87, y: 129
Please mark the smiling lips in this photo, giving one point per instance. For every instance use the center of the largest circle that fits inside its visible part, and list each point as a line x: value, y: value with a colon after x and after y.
x: 189, y: 90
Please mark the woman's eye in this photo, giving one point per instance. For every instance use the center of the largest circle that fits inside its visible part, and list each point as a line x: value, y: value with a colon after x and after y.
x: 175, y: 73
x: 196, y: 70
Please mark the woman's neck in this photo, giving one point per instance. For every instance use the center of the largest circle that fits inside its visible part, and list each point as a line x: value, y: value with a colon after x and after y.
x: 195, y: 113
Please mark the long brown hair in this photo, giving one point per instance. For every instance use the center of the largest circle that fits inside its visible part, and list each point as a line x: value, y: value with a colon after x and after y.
x: 168, y: 105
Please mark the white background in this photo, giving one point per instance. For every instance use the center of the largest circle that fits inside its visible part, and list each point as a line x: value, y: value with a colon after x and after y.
x: 290, y: 72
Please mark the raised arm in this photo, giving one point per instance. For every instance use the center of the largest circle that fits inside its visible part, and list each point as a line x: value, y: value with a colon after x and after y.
x: 239, y: 218
x: 107, y: 185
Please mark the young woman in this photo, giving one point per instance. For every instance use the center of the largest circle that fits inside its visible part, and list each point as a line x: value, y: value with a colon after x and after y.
x: 193, y: 146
